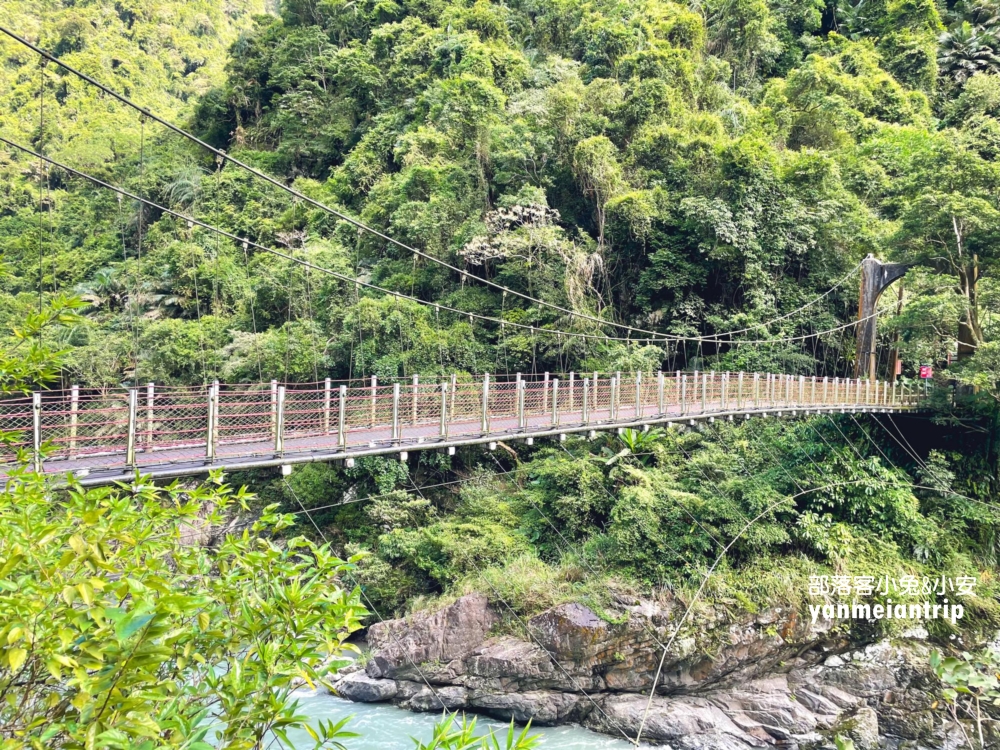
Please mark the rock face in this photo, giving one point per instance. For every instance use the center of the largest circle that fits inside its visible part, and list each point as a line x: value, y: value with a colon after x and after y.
x: 764, y: 682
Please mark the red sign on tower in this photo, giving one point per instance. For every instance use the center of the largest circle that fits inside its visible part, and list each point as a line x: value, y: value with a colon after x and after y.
x: 926, y: 371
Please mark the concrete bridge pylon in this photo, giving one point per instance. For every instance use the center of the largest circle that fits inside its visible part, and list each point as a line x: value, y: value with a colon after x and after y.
x: 876, y: 277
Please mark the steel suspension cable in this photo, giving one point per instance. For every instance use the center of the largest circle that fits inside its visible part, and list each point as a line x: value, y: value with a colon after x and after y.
x: 711, y: 570
x: 42, y: 171
x: 907, y: 448
x: 368, y: 602
x: 138, y: 251
x: 534, y: 638
x: 221, y: 154
x: 369, y: 285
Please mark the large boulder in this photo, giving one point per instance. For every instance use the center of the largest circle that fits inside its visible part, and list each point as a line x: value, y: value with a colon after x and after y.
x: 513, y: 665
x: 686, y: 722
x: 361, y: 688
x: 540, y: 707
x: 768, y: 680
x: 434, y: 641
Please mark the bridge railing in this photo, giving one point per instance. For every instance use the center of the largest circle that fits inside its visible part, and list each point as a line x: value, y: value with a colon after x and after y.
x: 111, y: 428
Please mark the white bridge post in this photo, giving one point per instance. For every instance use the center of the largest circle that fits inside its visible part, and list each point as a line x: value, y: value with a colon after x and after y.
x: 521, y: 387
x: 555, y: 401
x: 586, y: 401
x: 454, y: 395
x: 342, y: 417
x: 444, y: 411
x: 274, y: 408
x: 150, y: 395
x: 416, y: 392
x: 660, y: 394
x: 36, y: 429
x: 74, y: 407
x: 133, y: 413
x: 395, y: 412
x: 211, y: 430
x: 279, y: 421
x: 327, y: 402
x: 485, y: 423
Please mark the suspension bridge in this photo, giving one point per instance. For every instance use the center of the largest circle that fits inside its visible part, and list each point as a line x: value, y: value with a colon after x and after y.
x: 111, y: 434
x: 107, y: 435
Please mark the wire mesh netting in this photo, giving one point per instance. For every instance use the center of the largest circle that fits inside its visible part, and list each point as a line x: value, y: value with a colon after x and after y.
x: 154, y: 424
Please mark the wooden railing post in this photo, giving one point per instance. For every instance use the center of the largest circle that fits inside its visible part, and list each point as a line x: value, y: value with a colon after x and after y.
x: 133, y: 414
x: 279, y: 422
x: 36, y: 429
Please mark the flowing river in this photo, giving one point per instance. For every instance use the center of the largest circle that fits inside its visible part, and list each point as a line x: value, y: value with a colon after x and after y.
x: 385, y: 727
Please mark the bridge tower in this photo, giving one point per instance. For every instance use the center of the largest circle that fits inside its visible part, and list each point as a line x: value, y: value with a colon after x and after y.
x: 876, y: 276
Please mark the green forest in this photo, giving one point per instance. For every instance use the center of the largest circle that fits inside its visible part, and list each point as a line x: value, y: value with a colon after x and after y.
x: 689, y: 168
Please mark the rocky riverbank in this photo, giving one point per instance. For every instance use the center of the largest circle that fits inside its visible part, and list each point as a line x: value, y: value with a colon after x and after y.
x: 771, y: 680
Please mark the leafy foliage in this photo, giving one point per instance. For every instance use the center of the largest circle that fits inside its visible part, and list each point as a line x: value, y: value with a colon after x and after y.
x: 119, y: 632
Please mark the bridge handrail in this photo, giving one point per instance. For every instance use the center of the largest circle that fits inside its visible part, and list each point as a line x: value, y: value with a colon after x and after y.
x: 128, y: 427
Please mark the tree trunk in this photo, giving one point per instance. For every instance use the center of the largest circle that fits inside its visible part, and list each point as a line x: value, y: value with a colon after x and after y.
x: 970, y: 334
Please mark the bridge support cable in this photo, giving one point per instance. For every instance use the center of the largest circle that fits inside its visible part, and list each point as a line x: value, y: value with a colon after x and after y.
x: 222, y: 155
x: 368, y: 603
x: 907, y: 448
x: 358, y: 282
x: 715, y: 564
x: 537, y: 641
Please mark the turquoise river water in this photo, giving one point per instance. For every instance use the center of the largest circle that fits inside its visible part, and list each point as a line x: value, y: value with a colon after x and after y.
x: 385, y: 727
